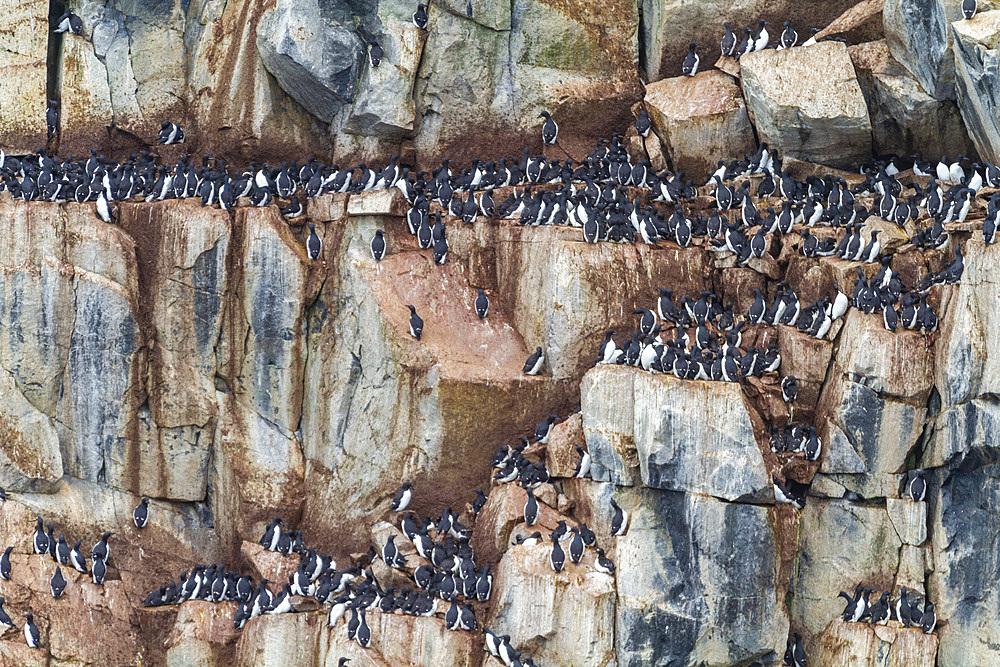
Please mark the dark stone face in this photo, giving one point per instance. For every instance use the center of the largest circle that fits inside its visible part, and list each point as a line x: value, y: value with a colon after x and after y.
x: 704, y: 566
x: 970, y: 518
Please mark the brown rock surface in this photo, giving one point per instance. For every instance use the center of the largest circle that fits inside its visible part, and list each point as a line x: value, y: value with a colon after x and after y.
x: 700, y: 120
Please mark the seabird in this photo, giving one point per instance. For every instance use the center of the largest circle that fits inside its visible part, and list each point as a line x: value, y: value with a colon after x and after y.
x: 5, y: 564
x: 314, y: 244
x: 969, y: 9
x: 377, y: 245
x: 402, y: 498
x: 728, y: 43
x: 420, y: 16
x: 69, y: 22
x: 557, y: 557
x: 5, y: 621
x: 534, y: 362
x: 57, y: 584
x: 99, y: 571
x: 643, y: 124
x: 789, y: 388
x: 293, y: 210
x: 619, y: 522
x: 928, y: 621
x: 170, y: 133
x: 40, y: 543
x: 550, y: 131
x: 52, y: 118
x: 76, y: 559
x: 691, y: 60
x: 482, y: 304
x: 416, y: 324
x: 31, y: 634
x: 140, y: 515
x: 375, y: 53
x: 530, y: 509
x: 917, y: 487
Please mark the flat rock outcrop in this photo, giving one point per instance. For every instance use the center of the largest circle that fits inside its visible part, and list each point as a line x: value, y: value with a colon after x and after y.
x: 665, y: 433
x: 818, y: 118
x: 700, y: 120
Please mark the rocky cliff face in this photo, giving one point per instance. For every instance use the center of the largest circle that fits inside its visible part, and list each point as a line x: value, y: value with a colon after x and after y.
x: 199, y: 358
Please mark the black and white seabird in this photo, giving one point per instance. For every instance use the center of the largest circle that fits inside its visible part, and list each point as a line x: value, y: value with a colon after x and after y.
x: 378, y: 245
x: 795, y: 654
x: 416, y: 324
x: 420, y: 16
x: 583, y: 466
x: 642, y: 124
x: 103, y: 208
x: 31, y: 634
x: 691, y: 60
x: 788, y: 37
x: 482, y: 304
x: 550, y: 131
x: 314, y: 244
x: 99, y: 571
x: 728, y: 43
x: 557, y: 557
x: 403, y: 497
x: 969, y: 8
x: 170, y: 133
x: 928, y: 621
x: 293, y: 210
x: 5, y: 621
x: 789, y: 388
x: 364, y: 633
x: 5, y: 564
x: 76, y: 559
x: 530, y: 509
x: 375, y: 53
x: 619, y: 522
x: 69, y: 22
x: 917, y: 487
x: 52, y: 118
x: 57, y: 584
x: 140, y: 515
x: 534, y: 362
x: 479, y: 502
x: 40, y: 543
x: 100, y: 550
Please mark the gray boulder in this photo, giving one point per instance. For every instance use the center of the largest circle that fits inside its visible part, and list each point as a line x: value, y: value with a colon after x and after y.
x: 383, y: 106
x: 905, y: 119
x: 315, y: 58
x: 695, y: 437
x: 967, y: 362
x: 977, y: 78
x: 966, y: 560
x: 841, y: 544
x: 918, y: 37
x: 697, y: 582
x: 820, y: 119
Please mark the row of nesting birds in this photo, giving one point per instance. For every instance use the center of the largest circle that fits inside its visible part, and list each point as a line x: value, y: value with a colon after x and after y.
x: 45, y: 544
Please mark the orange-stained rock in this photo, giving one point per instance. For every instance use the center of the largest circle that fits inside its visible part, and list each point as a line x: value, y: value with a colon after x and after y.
x: 561, y: 457
x: 861, y: 644
x: 556, y: 615
x: 203, y: 634
x: 502, y: 518
x: 700, y: 120
x: 23, y: 75
x: 269, y: 565
x: 860, y: 23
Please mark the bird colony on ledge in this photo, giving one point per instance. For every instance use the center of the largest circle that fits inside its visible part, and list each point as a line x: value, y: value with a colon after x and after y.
x: 748, y: 210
